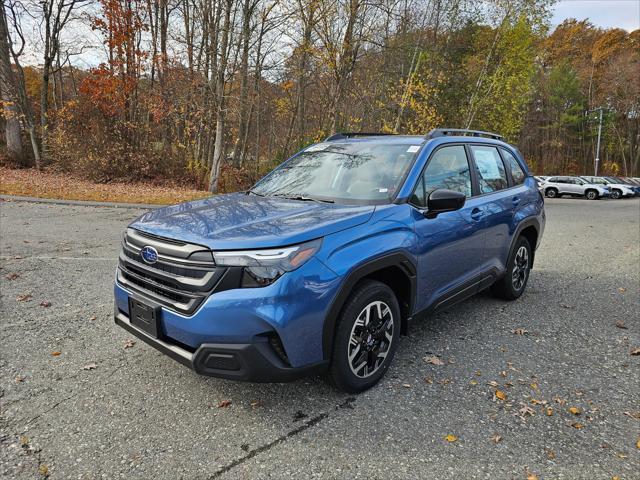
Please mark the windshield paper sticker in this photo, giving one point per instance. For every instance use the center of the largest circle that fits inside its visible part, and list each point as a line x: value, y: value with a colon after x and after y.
x: 317, y: 148
x: 413, y: 148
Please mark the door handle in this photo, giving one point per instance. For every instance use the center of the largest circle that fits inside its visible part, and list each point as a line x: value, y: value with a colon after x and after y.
x: 476, y: 213
x: 515, y: 200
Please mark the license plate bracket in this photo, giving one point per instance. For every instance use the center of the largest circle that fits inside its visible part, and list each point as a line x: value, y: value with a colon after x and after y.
x: 144, y: 316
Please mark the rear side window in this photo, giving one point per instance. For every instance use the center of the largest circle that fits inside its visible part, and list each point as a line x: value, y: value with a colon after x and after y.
x: 491, y: 172
x: 517, y: 174
x: 448, y: 168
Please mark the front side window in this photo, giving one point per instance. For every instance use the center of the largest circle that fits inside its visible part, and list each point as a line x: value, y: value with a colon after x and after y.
x: 517, y: 174
x: 345, y: 173
x: 491, y: 173
x: 448, y: 168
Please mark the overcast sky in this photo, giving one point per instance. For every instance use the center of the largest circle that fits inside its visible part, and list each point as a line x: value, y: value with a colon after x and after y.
x: 602, y: 13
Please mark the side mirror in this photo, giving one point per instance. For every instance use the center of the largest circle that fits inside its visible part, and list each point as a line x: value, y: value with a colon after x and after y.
x: 443, y: 200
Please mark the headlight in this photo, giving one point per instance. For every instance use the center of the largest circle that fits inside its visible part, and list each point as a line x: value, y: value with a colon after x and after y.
x: 263, y: 267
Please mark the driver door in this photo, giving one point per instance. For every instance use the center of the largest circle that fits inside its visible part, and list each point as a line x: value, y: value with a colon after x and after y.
x: 451, y: 246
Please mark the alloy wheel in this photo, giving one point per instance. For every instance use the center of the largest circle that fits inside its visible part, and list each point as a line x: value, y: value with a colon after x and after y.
x: 370, y: 340
x: 520, y: 268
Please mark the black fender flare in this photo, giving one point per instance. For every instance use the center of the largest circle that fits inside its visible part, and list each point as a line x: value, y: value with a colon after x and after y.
x: 527, y: 222
x: 399, y: 259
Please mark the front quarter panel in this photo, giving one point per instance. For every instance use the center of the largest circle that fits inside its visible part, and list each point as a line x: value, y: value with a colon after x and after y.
x: 390, y: 229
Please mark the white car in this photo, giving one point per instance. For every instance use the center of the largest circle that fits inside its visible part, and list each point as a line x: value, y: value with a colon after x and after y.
x: 574, y: 186
x: 618, y: 190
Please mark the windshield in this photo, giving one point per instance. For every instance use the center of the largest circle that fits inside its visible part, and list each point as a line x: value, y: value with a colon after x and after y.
x: 344, y: 173
x: 616, y: 180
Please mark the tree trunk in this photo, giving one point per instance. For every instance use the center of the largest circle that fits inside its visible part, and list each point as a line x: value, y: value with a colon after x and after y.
x: 247, y: 10
x: 12, y: 127
x: 218, y: 147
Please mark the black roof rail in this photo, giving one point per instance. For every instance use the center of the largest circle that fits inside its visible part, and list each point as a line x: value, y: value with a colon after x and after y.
x: 442, y: 132
x: 343, y: 135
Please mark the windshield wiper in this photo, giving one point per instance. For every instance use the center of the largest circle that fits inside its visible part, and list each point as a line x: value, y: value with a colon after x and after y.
x: 303, y: 198
x: 254, y: 192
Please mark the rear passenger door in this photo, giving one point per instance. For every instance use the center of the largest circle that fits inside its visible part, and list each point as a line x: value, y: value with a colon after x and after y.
x: 498, y: 202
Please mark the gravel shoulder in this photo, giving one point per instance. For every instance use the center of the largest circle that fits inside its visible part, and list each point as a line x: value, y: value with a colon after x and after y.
x: 100, y: 410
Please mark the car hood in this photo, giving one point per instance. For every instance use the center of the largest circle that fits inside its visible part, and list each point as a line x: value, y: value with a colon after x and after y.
x: 240, y: 221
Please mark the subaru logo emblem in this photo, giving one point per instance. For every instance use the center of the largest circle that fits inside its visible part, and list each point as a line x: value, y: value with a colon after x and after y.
x: 149, y: 255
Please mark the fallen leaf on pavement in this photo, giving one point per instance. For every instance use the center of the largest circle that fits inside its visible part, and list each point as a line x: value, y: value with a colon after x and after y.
x: 577, y: 426
x: 473, y: 382
x: 532, y: 476
x: 90, y: 366
x: 256, y: 403
x: 524, y: 411
x: 500, y: 395
x: 559, y: 400
x: 406, y: 385
x: 12, y: 276
x: 45, y: 303
x: 520, y: 331
x: 620, y: 324
x: 92, y: 318
x: 493, y: 383
x: 428, y: 380
x: 129, y: 343
x: 24, y: 297
x: 551, y: 454
x: 56, y: 353
x: 621, y: 455
x: 635, y: 415
x: 224, y: 403
x: 638, y: 444
x: 622, y: 289
x: 538, y: 402
x: 20, y: 378
x: 635, y: 352
x: 43, y: 470
x: 549, y: 411
x: 433, y: 360
x: 575, y: 410
x: 496, y: 438
x: 451, y: 438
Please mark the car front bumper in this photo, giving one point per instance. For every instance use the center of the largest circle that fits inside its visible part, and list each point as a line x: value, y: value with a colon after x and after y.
x: 252, y: 362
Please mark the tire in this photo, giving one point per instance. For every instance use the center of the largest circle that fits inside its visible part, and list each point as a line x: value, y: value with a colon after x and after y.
x: 616, y: 194
x: 551, y: 192
x: 362, y: 353
x: 591, y: 195
x: 511, y: 287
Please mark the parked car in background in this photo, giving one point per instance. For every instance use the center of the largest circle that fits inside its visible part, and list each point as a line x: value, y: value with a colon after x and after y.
x: 628, y: 182
x: 617, y: 188
x: 574, y: 186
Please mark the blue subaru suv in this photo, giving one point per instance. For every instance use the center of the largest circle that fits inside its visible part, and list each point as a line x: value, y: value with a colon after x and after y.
x: 324, y: 263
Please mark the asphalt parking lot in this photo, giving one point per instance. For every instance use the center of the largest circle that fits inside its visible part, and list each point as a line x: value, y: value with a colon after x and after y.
x: 78, y: 401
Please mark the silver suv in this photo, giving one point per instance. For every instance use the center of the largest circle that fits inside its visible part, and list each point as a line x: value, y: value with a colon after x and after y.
x: 618, y: 190
x: 574, y: 186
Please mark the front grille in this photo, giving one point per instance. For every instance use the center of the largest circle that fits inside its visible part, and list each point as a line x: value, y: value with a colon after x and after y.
x: 180, y: 280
